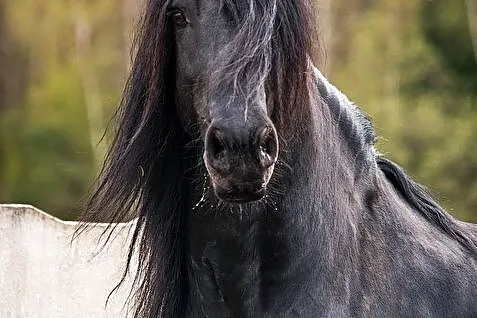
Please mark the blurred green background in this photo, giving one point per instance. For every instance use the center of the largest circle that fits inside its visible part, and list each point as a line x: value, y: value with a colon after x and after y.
x: 412, y: 65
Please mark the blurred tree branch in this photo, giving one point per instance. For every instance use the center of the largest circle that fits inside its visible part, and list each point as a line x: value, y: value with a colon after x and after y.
x: 472, y: 17
x: 130, y: 16
x: 89, y: 79
x: 326, y: 26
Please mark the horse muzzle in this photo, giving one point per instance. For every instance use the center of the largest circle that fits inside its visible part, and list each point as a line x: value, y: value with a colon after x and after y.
x: 240, y: 160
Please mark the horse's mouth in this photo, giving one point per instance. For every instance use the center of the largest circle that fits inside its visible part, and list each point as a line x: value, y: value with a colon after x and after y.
x: 240, y: 195
x: 242, y: 186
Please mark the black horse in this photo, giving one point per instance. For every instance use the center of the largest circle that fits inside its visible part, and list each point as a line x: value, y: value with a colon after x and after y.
x: 255, y: 181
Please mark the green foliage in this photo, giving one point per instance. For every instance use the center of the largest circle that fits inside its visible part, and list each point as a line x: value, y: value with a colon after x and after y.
x: 48, y: 162
x: 47, y: 148
x: 446, y: 27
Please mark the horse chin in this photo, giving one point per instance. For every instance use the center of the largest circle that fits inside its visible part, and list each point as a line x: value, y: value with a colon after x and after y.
x: 238, y: 191
x: 240, y: 187
x: 234, y: 196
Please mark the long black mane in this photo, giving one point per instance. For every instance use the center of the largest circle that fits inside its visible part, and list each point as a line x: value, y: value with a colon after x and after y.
x: 149, y: 168
x: 418, y: 198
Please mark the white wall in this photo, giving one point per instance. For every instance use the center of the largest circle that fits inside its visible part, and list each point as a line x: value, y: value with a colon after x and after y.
x: 43, y: 274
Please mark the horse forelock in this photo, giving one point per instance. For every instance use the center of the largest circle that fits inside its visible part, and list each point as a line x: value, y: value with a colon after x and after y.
x: 271, y: 50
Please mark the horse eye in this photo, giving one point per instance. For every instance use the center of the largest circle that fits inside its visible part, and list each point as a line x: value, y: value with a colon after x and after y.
x: 178, y: 18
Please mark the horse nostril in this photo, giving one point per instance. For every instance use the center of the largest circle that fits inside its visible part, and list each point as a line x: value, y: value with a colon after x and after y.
x: 268, y: 147
x: 237, y: 149
x: 216, y: 149
x: 217, y: 146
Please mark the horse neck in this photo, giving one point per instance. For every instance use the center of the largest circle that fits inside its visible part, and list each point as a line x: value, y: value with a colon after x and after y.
x: 333, y: 174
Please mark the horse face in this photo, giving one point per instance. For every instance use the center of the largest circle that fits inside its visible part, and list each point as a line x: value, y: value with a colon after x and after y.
x: 221, y: 93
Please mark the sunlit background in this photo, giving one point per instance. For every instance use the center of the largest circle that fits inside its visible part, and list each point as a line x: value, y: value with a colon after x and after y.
x: 412, y: 65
